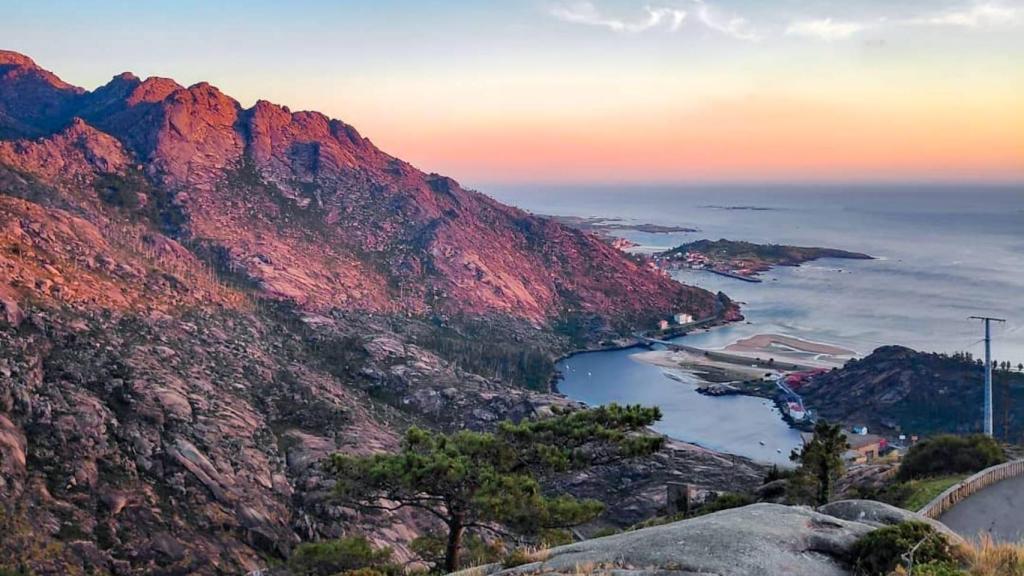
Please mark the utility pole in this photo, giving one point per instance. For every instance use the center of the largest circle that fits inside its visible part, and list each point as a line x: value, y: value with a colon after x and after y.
x: 988, y: 369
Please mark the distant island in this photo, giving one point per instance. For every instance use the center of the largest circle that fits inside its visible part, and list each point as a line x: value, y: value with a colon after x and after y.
x: 753, y: 208
x: 603, y: 226
x: 745, y: 260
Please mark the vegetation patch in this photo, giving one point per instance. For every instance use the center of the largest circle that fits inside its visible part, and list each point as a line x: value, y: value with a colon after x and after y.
x: 345, y: 555
x: 880, y: 552
x: 950, y: 455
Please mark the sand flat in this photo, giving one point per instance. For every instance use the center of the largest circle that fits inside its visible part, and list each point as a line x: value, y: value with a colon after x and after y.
x: 778, y: 343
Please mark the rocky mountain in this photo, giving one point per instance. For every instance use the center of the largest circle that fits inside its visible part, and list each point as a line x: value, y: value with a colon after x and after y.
x: 307, y: 210
x: 199, y: 301
x: 899, y: 390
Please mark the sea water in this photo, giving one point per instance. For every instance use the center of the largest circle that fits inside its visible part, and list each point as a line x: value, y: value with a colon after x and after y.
x: 944, y: 253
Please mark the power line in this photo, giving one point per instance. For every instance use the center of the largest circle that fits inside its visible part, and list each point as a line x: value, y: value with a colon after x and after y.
x: 988, y: 368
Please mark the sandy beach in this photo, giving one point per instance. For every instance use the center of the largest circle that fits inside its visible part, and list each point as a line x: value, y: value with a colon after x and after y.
x: 750, y: 358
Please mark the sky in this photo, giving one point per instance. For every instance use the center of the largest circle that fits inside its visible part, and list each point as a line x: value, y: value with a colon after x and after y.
x: 593, y: 91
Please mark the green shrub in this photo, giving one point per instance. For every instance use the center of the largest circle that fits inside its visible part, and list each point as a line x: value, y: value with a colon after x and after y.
x: 363, y: 572
x: 947, y: 455
x: 725, y: 502
x: 939, y: 569
x: 342, y: 555
x: 879, y: 552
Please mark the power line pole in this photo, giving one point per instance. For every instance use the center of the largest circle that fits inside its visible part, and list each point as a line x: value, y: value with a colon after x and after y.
x: 988, y: 369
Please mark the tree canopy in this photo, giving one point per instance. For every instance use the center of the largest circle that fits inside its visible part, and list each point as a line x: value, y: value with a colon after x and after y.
x: 821, y: 459
x: 947, y: 454
x: 491, y: 480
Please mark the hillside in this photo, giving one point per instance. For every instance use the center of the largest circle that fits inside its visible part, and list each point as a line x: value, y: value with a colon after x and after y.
x: 307, y: 210
x: 896, y: 389
x: 199, y: 301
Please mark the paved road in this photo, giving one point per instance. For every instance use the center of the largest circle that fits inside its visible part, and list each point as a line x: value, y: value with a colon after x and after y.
x: 997, y: 510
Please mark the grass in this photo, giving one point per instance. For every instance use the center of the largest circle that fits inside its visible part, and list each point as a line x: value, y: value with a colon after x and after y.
x: 921, y: 492
x: 981, y: 558
x: 987, y: 558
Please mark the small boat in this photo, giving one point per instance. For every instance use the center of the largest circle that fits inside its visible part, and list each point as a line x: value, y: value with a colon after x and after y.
x: 761, y: 442
x: 589, y: 374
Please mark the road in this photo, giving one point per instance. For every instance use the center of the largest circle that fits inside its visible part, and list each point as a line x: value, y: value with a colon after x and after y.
x: 997, y: 510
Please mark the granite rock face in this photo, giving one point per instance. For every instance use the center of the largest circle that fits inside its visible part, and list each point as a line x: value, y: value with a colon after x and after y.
x: 198, y: 302
x: 761, y: 539
x: 312, y: 212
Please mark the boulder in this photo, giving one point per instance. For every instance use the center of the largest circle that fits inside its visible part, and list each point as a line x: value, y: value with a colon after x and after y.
x: 761, y: 539
x: 880, y: 514
x: 10, y: 312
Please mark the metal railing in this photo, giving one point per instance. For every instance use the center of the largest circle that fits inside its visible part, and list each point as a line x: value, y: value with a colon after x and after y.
x: 956, y: 494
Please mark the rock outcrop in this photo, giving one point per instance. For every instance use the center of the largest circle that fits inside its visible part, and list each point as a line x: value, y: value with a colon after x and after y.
x: 761, y: 539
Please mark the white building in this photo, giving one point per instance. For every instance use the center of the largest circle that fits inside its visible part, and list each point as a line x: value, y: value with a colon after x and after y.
x: 682, y: 318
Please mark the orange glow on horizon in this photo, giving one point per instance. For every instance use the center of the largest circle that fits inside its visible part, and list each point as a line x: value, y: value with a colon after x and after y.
x: 751, y: 138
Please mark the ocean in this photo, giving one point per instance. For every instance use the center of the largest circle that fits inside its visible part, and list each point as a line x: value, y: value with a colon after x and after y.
x: 944, y: 253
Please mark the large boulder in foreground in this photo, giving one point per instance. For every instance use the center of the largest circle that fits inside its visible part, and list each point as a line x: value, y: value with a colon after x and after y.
x: 761, y: 540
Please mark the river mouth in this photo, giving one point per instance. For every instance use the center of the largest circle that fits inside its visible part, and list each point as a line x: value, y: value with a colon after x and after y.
x: 742, y: 425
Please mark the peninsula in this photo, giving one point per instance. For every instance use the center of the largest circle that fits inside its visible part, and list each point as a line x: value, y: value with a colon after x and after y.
x: 745, y: 260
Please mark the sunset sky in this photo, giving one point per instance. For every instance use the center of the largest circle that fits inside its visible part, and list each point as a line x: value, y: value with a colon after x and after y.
x: 594, y: 91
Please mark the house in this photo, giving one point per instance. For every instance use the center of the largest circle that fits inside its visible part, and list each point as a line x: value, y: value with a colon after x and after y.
x: 864, y: 448
x: 683, y: 318
x: 796, y: 411
x: 662, y: 325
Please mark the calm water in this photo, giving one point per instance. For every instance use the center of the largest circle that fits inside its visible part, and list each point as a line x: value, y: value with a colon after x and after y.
x: 945, y: 253
x: 734, y: 424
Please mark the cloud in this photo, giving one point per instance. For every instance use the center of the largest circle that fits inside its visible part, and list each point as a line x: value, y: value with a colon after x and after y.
x: 584, y: 12
x: 734, y: 26
x: 979, y: 15
x: 825, y: 29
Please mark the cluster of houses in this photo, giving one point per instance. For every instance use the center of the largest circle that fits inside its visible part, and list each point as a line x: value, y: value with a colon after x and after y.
x: 864, y: 447
x: 679, y: 319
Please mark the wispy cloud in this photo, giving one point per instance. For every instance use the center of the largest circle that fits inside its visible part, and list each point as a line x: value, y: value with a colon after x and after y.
x: 671, y: 15
x: 977, y: 16
x: 734, y: 26
x: 825, y: 29
x: 584, y: 12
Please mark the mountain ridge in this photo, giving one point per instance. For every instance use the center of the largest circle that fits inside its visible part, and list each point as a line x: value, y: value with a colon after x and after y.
x: 442, y: 247
x: 199, y: 302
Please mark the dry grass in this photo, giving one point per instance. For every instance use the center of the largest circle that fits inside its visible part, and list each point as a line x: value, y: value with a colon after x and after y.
x: 983, y: 557
x: 988, y: 558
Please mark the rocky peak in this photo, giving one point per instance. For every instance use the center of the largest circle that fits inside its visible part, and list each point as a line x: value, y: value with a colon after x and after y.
x: 151, y: 90
x: 33, y: 101
x: 11, y: 58
x: 78, y: 150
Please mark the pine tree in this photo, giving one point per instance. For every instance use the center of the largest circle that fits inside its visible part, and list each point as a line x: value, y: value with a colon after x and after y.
x: 491, y: 481
x: 822, y: 458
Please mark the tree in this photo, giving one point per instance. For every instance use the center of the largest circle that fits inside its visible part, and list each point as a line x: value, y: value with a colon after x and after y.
x: 822, y: 458
x: 491, y: 481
